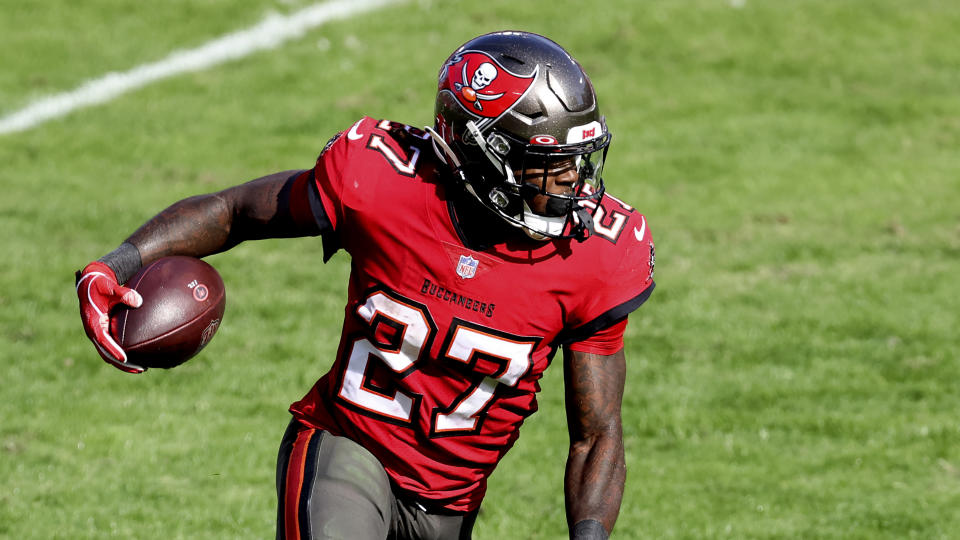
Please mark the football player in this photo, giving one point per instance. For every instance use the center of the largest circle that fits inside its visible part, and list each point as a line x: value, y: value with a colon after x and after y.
x: 480, y: 246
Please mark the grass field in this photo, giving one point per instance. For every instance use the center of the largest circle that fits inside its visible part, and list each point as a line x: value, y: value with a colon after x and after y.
x: 795, y: 375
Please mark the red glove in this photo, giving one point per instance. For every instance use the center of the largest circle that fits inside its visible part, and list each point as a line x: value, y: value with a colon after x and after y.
x: 99, y: 292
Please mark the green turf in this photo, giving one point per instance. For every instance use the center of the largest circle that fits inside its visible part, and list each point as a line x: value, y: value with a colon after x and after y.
x: 793, y: 376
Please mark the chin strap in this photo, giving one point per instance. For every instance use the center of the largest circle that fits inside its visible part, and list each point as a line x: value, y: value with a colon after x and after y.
x: 447, y: 156
x: 442, y: 149
x: 498, y: 163
x: 585, y: 230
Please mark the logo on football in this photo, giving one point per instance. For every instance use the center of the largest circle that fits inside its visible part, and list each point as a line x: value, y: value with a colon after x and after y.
x: 209, y: 331
x: 200, y: 292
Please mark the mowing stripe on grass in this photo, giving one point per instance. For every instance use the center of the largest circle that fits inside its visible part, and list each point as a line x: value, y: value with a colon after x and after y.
x: 269, y: 33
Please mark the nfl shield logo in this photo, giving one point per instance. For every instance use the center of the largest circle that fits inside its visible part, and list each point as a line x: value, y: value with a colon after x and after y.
x: 467, y: 267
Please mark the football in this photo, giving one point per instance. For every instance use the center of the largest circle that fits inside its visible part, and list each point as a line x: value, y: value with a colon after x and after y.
x: 183, y: 304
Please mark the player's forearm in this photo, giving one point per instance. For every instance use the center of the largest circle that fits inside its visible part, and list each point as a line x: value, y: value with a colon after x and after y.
x: 197, y: 226
x: 207, y: 224
x: 594, y: 482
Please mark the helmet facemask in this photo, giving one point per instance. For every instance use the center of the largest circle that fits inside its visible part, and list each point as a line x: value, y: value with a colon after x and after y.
x: 516, y: 183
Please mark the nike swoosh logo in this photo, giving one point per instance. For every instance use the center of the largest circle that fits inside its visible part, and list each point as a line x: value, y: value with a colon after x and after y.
x: 642, y: 230
x: 353, y: 135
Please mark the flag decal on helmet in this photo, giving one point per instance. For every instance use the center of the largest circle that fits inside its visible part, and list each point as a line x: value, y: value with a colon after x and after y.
x: 584, y: 133
x: 483, y: 86
x: 467, y: 267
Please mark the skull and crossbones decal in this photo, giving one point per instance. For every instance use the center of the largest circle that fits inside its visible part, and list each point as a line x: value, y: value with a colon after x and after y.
x: 482, y: 77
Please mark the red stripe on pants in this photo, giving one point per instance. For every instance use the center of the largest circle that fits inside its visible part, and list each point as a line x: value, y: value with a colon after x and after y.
x: 294, y: 484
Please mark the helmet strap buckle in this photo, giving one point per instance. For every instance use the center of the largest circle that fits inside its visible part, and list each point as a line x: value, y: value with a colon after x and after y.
x: 498, y: 198
x: 585, y: 230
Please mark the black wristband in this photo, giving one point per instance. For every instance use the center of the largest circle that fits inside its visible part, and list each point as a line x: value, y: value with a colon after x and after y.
x: 124, y: 261
x: 588, y: 529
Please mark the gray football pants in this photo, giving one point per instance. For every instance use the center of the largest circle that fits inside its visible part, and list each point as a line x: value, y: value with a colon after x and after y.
x: 330, y: 487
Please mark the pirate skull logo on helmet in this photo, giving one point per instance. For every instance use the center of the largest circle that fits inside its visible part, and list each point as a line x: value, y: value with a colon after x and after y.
x: 484, y: 75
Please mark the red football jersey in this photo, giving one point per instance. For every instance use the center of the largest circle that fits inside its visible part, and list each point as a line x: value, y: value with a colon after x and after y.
x: 442, y: 346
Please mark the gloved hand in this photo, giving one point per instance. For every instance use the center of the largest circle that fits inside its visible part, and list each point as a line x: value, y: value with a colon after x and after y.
x: 99, y: 292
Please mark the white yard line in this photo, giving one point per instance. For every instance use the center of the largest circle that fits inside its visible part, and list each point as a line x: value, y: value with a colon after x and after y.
x: 269, y: 33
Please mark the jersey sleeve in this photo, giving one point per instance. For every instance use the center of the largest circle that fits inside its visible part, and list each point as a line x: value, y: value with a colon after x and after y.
x: 606, y: 341
x: 328, y: 178
x: 307, y: 209
x: 319, y: 193
x: 619, y: 289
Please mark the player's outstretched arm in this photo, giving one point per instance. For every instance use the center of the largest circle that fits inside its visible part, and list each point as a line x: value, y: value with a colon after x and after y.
x: 208, y: 224
x: 596, y: 469
x: 197, y: 226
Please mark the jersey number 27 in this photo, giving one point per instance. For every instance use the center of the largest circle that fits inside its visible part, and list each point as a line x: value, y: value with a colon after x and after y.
x: 407, y: 331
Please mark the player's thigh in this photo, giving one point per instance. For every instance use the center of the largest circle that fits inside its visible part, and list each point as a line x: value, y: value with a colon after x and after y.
x: 330, y: 487
x: 413, y: 521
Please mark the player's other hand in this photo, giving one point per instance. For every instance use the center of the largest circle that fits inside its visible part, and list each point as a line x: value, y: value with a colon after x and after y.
x: 99, y: 292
